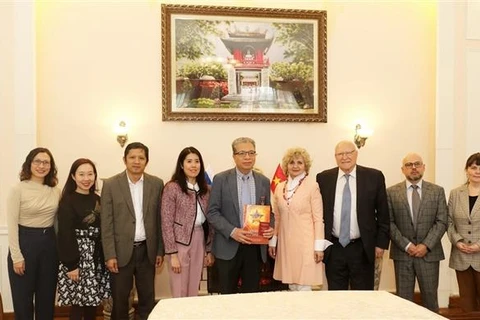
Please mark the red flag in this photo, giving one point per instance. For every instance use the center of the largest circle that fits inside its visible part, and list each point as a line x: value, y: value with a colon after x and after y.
x: 278, y: 177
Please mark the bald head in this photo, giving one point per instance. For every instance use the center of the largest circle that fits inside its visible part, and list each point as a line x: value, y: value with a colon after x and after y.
x: 413, y: 167
x: 346, y: 155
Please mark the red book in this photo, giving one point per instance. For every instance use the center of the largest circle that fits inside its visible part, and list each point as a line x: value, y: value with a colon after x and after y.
x: 256, y: 220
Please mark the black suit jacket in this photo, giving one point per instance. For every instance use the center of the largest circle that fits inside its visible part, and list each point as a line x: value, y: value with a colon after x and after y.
x: 372, y: 207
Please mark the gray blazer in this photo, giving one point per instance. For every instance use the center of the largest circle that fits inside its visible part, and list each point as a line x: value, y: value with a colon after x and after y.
x: 431, y: 223
x: 224, y: 212
x: 463, y: 226
x: 118, y: 218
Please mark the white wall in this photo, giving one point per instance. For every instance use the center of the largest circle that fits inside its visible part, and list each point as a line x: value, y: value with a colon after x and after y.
x: 99, y: 62
x: 17, y: 107
x: 457, y: 110
x: 91, y: 74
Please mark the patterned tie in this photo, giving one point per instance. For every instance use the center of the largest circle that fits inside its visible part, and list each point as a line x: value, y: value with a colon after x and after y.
x: 344, y: 238
x: 415, y: 205
x: 246, y: 198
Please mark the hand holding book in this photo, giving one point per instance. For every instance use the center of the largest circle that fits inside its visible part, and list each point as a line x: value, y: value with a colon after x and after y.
x: 256, y: 221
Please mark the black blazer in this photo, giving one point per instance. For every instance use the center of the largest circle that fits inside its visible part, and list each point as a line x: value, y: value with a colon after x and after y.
x: 372, y: 207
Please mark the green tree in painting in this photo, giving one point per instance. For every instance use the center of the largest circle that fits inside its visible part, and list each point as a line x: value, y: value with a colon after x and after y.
x: 297, y: 38
x: 196, y: 70
x: 191, y: 41
x: 291, y: 71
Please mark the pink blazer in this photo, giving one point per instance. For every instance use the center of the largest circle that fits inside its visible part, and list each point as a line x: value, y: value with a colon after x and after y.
x: 178, y: 212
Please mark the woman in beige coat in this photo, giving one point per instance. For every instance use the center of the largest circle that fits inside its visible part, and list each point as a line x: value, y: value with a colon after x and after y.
x: 298, y: 225
x: 464, y: 233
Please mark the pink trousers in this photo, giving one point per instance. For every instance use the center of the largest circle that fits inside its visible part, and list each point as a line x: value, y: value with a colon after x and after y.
x: 187, y: 282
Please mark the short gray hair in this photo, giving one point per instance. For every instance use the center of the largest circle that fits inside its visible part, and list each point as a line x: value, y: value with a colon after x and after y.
x: 242, y: 140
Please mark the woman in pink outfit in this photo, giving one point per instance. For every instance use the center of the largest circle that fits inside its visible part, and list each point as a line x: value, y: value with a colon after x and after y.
x: 187, y: 235
x: 298, y: 225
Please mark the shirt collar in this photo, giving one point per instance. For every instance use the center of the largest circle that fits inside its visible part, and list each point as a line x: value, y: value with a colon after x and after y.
x: 193, y: 187
x: 134, y: 183
x: 352, y: 174
x: 297, y: 178
x: 419, y: 184
x: 241, y: 175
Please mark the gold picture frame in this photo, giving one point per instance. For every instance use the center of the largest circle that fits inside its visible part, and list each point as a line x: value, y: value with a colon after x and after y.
x: 243, y: 64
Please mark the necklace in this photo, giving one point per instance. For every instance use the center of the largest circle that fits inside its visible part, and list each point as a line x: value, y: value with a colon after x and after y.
x: 290, y: 190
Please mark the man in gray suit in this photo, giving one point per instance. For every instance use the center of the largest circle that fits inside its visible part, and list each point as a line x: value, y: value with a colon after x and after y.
x: 418, y: 220
x: 131, y: 233
x: 235, y: 256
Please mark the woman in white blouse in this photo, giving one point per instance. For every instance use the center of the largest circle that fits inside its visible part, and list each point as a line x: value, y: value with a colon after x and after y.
x: 32, y: 258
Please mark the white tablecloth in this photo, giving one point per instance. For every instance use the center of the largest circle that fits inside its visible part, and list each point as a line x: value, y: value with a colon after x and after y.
x: 293, y: 305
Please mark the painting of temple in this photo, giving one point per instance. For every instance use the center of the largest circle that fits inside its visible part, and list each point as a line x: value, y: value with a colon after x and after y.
x: 249, y: 82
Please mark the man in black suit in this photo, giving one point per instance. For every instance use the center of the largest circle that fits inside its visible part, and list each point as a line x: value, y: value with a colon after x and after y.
x: 355, y: 212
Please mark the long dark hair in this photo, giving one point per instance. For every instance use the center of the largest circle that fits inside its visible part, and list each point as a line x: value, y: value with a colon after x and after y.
x: 50, y: 179
x: 71, y: 185
x: 179, y: 175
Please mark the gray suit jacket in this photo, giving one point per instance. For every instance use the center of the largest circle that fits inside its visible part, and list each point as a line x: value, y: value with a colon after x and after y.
x: 224, y: 212
x: 463, y: 226
x: 431, y: 223
x: 118, y: 218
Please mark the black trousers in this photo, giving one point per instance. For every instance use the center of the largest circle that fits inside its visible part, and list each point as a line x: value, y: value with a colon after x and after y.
x: 245, y: 265
x: 39, y: 249
x: 143, y: 270
x: 349, y: 267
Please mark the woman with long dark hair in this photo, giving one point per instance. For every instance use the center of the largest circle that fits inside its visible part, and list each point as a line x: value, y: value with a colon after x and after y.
x: 83, y: 279
x: 32, y: 258
x: 186, y: 234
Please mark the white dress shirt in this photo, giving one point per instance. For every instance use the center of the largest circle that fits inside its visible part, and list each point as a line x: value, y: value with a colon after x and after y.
x: 136, y: 191
x: 200, y: 217
x: 337, y: 210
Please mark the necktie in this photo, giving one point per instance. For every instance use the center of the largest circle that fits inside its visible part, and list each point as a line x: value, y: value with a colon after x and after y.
x: 415, y: 205
x: 246, y: 199
x: 344, y: 238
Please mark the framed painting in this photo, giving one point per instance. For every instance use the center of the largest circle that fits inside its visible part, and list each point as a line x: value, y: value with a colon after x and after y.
x: 243, y: 64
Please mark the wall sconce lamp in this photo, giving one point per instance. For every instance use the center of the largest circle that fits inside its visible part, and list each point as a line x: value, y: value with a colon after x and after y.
x: 361, y: 135
x: 122, y: 133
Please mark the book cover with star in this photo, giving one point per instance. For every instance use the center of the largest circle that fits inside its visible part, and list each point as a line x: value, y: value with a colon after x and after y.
x: 256, y: 220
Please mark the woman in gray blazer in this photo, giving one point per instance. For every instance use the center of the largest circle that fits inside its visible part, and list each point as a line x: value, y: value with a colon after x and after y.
x: 464, y: 233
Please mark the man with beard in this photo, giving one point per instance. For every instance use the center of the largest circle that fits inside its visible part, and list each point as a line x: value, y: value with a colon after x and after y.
x: 418, y: 220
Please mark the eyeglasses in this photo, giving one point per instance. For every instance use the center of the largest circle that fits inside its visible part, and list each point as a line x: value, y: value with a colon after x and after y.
x: 38, y: 162
x: 410, y: 165
x: 346, y: 154
x: 243, y: 154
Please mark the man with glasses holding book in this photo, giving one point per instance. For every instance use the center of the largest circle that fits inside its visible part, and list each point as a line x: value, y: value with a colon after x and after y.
x: 418, y: 220
x: 235, y: 255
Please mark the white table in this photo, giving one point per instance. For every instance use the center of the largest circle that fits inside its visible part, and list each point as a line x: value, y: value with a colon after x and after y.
x: 293, y: 305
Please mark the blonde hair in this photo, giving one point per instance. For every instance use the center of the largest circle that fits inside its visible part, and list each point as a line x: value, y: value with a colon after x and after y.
x: 293, y: 153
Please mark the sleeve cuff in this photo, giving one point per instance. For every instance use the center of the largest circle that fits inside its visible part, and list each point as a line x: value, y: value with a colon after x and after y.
x: 408, y: 245
x: 272, y: 242
x: 321, y: 245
